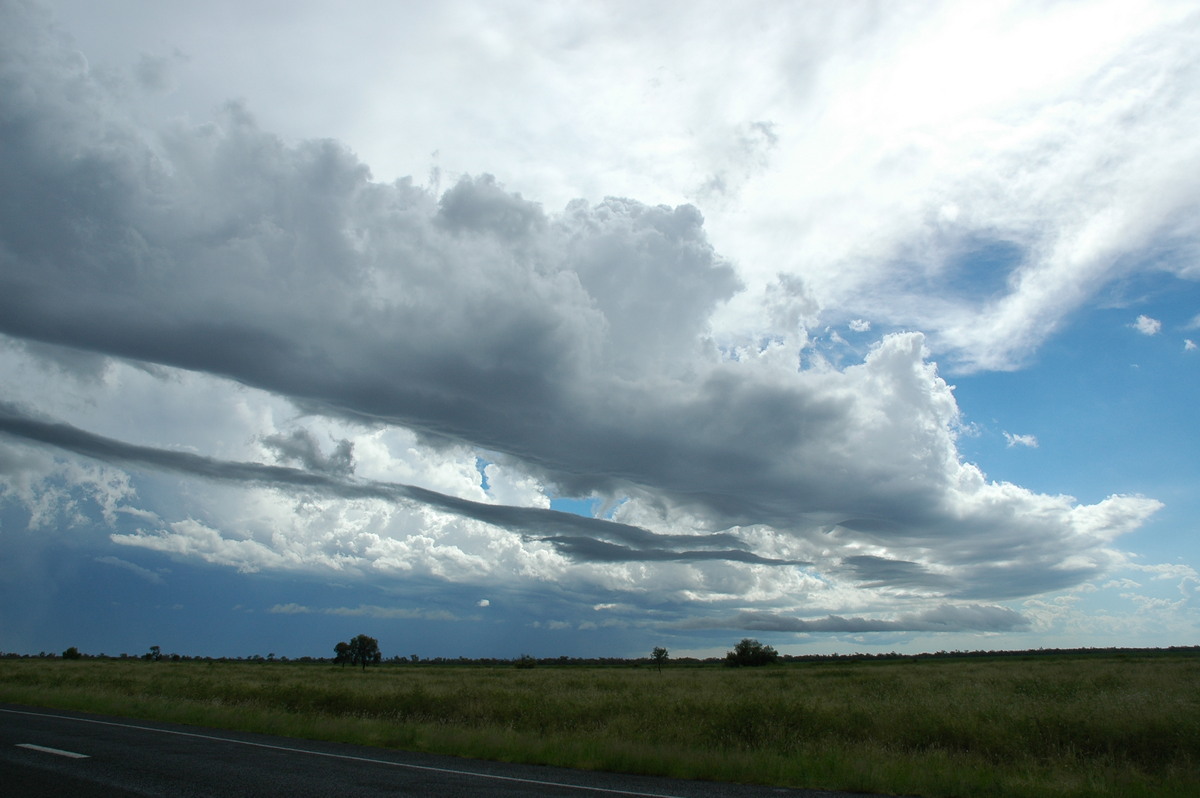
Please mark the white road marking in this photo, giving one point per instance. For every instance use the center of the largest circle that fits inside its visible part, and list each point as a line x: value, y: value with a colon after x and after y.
x: 428, y: 768
x: 55, y: 751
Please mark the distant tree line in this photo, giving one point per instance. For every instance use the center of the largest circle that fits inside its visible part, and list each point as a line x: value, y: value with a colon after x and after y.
x: 155, y: 654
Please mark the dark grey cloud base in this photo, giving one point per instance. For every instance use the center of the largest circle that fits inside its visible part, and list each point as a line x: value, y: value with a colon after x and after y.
x: 946, y: 618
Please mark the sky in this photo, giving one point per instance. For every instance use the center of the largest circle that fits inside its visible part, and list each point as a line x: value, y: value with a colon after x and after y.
x: 577, y: 329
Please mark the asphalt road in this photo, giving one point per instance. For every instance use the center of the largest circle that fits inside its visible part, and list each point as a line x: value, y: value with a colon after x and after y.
x: 46, y: 752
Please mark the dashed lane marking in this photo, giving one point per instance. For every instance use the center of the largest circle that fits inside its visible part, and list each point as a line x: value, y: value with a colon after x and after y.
x: 55, y: 751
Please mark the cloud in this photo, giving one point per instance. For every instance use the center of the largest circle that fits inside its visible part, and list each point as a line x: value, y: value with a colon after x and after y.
x: 367, y: 611
x: 301, y: 447
x: 1189, y: 345
x: 1147, y: 326
x: 641, y: 542
x: 554, y: 626
x: 872, y: 571
x: 859, y: 325
x: 942, y: 242
x: 373, y: 611
x: 1095, y: 131
x: 290, y: 609
x: 944, y: 618
x: 579, y: 348
x: 192, y: 539
x: 145, y: 573
x: 592, y: 550
x: 1030, y: 441
x: 156, y: 73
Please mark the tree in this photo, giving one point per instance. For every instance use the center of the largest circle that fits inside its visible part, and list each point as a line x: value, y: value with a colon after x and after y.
x: 659, y: 655
x: 341, y: 654
x: 364, y: 651
x: 153, y: 655
x: 751, y: 652
x: 71, y: 653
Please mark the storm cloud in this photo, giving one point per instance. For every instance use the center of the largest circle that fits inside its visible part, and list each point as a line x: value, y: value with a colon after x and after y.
x: 945, y: 618
x: 528, y: 352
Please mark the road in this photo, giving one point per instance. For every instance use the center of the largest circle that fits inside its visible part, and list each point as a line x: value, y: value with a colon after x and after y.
x: 46, y: 752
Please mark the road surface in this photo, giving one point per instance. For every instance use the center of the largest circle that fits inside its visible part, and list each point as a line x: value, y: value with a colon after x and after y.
x: 49, y: 752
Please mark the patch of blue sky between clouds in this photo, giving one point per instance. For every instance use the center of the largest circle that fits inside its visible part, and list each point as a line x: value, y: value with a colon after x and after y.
x: 591, y: 507
x: 1111, y: 408
x: 481, y: 465
x: 585, y: 507
x: 975, y: 270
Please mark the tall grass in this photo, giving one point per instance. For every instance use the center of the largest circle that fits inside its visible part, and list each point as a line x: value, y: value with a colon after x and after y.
x: 1065, y: 726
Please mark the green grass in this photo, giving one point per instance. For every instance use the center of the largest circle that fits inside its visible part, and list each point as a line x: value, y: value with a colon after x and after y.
x: 1113, y: 725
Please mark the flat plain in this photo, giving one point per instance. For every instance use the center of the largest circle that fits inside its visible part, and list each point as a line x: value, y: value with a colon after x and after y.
x: 1085, y: 724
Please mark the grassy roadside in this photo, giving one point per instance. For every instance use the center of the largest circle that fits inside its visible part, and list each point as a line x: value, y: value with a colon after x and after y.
x: 1124, y: 726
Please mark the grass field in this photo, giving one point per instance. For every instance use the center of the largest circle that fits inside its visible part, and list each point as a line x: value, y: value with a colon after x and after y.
x: 1076, y: 725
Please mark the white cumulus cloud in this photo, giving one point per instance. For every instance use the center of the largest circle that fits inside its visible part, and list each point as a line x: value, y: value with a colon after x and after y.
x: 1030, y: 441
x: 1147, y: 326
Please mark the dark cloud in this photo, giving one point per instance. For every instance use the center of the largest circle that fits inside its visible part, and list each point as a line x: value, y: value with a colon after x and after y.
x: 882, y: 572
x: 946, y: 618
x: 482, y: 206
x: 300, y: 446
x: 592, y: 550
x: 590, y: 533
x: 156, y: 73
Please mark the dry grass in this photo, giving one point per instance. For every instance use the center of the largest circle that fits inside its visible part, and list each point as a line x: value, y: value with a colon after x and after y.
x: 1117, y: 725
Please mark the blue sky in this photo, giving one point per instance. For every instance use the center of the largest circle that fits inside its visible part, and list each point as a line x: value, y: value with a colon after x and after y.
x: 584, y: 329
